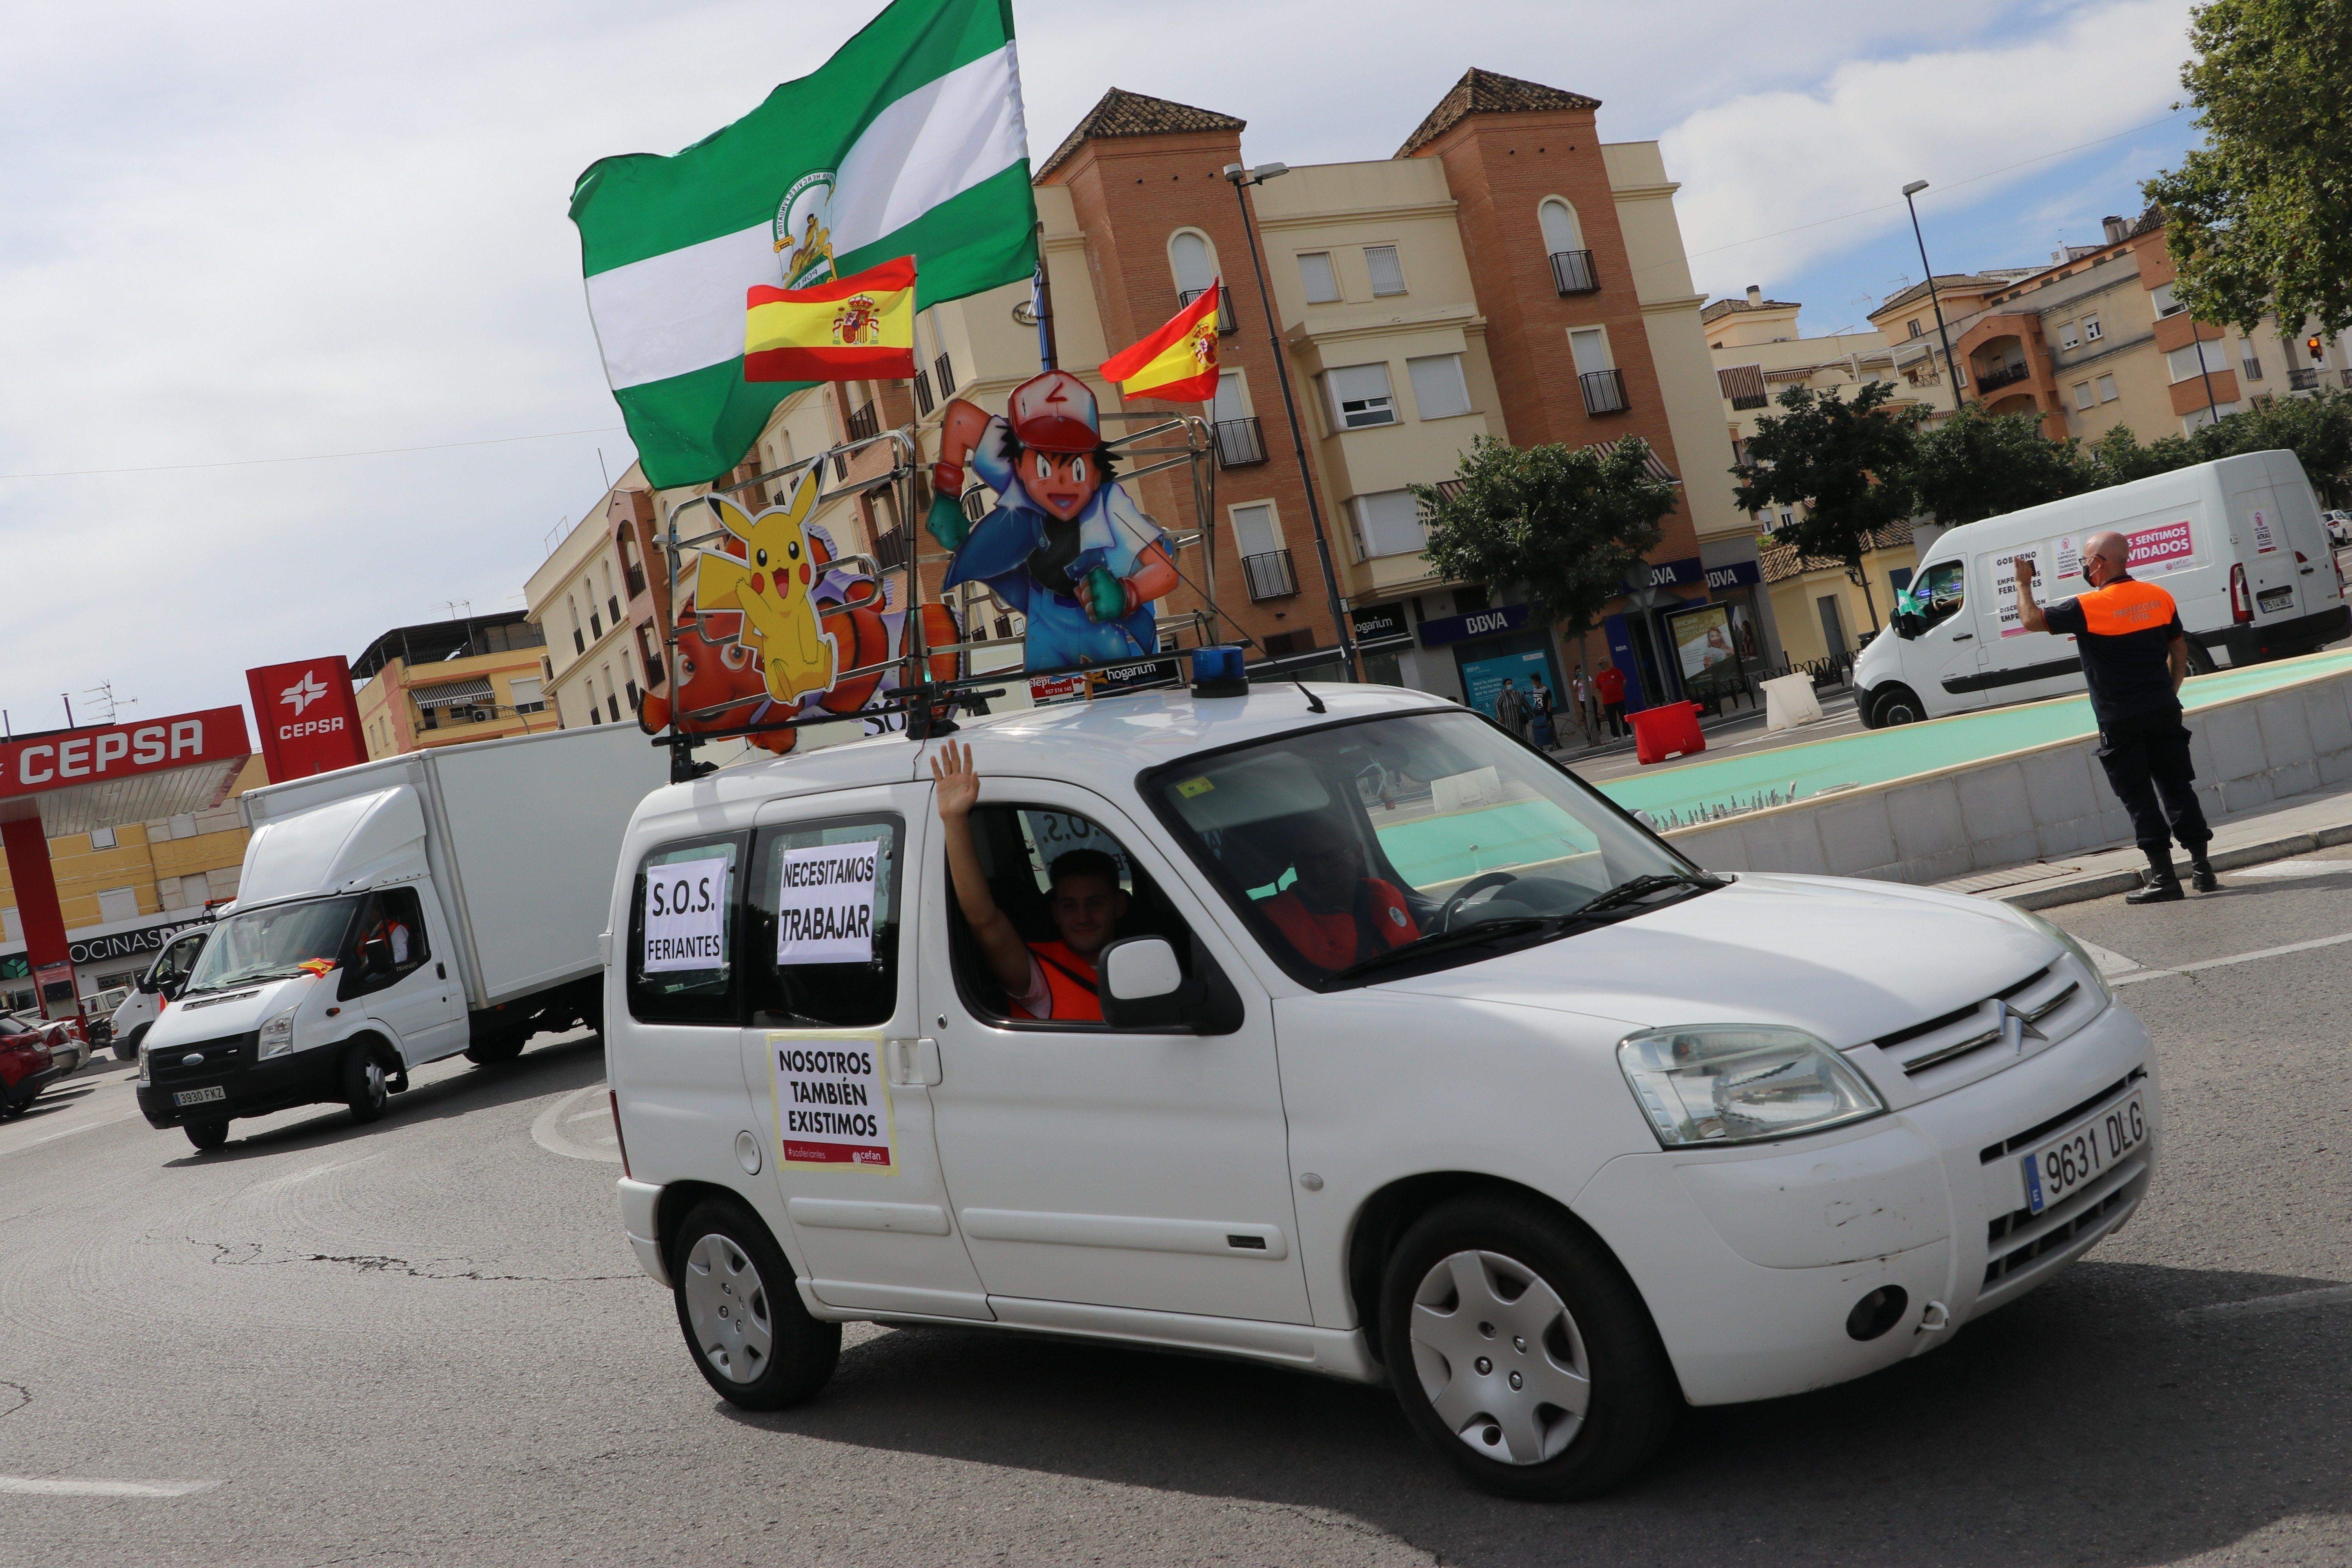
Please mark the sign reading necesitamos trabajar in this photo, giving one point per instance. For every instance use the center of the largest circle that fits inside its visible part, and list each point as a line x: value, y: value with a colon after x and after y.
x: 831, y: 1106
x: 825, y: 903
x: 686, y: 916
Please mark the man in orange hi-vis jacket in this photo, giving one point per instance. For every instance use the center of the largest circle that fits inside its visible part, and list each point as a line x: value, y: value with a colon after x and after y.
x: 2135, y: 656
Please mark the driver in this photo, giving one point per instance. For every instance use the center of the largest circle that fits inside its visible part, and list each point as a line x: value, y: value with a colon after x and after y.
x: 1334, y: 914
x: 390, y: 930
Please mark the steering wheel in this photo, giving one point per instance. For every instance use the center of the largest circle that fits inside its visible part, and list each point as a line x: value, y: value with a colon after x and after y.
x: 1468, y: 889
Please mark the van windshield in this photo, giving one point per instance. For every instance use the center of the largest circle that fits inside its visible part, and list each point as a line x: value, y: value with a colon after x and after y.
x: 271, y: 943
x: 1418, y: 842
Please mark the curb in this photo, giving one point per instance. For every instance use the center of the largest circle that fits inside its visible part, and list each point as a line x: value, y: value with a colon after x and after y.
x: 2106, y: 884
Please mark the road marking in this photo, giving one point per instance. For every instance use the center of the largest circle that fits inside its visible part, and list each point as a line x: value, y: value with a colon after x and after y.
x: 2318, y: 941
x: 69, y: 1486
x: 2259, y: 1306
x: 2109, y: 961
x: 85, y: 1126
x: 2306, y: 866
x: 549, y: 1134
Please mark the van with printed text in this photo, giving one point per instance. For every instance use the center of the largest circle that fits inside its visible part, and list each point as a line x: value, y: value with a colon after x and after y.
x: 1332, y: 1027
x: 2237, y: 543
x: 394, y: 913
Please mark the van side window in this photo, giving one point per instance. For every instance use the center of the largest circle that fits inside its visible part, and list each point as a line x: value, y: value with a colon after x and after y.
x: 1940, y: 590
x: 822, y: 925
x: 682, y: 932
x: 1038, y: 857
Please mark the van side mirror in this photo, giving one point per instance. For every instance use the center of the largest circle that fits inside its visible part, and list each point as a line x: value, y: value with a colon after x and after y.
x: 1908, y: 625
x: 1142, y: 986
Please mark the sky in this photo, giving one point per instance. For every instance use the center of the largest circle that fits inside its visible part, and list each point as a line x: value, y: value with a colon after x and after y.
x: 241, y: 242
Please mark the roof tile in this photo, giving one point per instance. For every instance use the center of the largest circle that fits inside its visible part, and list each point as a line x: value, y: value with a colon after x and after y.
x: 1489, y: 93
x: 1123, y: 113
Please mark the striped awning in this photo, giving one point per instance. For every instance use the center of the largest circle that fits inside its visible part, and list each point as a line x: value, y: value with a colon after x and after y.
x: 1654, y: 464
x: 460, y: 693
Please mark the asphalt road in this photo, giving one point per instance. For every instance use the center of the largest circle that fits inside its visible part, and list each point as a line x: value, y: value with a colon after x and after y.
x: 424, y: 1341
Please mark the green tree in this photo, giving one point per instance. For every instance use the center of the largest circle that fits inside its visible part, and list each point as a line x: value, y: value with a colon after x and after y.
x: 1567, y: 526
x: 1847, y: 464
x: 1979, y: 465
x: 2260, y: 218
x: 2117, y: 457
x: 2316, y: 429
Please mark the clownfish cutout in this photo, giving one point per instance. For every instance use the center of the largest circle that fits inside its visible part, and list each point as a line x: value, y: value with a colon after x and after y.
x: 771, y: 584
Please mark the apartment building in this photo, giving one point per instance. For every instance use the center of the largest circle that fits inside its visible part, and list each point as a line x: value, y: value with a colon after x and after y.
x: 478, y: 677
x: 2095, y: 340
x: 1505, y: 273
x: 600, y: 602
x: 123, y: 890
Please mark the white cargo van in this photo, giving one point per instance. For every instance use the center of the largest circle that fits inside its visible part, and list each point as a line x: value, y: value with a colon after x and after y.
x: 155, y: 990
x: 396, y: 912
x: 1590, y: 1133
x: 2237, y: 543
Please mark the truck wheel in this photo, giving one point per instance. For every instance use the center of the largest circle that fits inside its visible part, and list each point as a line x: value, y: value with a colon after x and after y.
x: 489, y: 1049
x: 1521, y: 1351
x: 741, y: 1313
x: 1896, y: 705
x: 207, y: 1136
x: 364, y: 1088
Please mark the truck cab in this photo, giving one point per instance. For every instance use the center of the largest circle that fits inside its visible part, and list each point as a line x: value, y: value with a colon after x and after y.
x: 153, y: 990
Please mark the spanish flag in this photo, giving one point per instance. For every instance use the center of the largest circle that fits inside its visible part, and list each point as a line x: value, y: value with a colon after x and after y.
x: 1178, y: 363
x: 850, y: 329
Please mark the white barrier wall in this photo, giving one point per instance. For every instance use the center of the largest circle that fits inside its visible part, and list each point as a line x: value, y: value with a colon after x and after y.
x: 2044, y: 803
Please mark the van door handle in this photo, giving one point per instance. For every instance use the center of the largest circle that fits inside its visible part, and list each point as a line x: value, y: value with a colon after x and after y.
x: 1964, y: 637
x: 912, y: 1062
x: 442, y: 969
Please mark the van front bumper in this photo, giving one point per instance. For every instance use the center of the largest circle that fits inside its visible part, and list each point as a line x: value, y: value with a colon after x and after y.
x: 249, y: 1088
x: 1751, y: 1261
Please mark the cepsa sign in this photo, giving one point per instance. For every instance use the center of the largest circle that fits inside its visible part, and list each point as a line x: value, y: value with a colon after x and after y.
x: 67, y: 757
x: 310, y: 720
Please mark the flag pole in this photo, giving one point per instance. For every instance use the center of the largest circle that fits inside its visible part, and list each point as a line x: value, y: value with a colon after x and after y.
x: 1041, y: 304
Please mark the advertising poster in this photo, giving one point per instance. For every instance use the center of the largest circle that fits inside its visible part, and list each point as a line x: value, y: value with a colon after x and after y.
x: 2058, y: 566
x: 1705, y: 648
x: 2265, y: 536
x: 832, y: 1106
x: 1482, y: 679
x: 825, y: 903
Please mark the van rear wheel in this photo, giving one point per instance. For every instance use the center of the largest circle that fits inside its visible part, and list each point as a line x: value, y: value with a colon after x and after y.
x: 741, y: 1313
x: 488, y: 1049
x: 1521, y: 1351
x: 2201, y: 658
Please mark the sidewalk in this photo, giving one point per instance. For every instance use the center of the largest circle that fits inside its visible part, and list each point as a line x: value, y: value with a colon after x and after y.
x: 2296, y: 825
x: 1742, y: 726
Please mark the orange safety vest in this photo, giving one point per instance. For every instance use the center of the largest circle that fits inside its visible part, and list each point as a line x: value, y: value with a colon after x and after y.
x: 1328, y: 941
x: 2124, y: 605
x: 1070, y: 984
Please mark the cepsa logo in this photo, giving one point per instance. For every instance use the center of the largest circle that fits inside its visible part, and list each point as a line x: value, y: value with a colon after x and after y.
x: 309, y: 718
x: 77, y: 756
x: 303, y: 693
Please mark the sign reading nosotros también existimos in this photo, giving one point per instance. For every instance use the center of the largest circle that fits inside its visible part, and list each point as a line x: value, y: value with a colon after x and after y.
x: 825, y: 903
x: 832, y: 1105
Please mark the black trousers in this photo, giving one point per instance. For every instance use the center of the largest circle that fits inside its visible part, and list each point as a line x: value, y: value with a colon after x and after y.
x: 2147, y: 759
x: 1616, y: 714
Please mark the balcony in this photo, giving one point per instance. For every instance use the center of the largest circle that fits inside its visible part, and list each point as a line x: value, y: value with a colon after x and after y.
x: 1571, y: 272
x: 890, y: 551
x: 634, y: 576
x: 975, y: 503
x: 923, y: 400
x: 613, y: 604
x: 1239, y: 443
x: 2302, y: 378
x: 1990, y: 380
x: 1269, y: 575
x: 1605, y: 390
x: 943, y: 377
x: 1227, y: 324
x: 864, y: 422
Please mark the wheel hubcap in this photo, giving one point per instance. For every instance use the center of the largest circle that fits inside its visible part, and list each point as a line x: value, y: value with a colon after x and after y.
x: 1520, y: 1398
x: 375, y: 1082
x: 727, y: 1309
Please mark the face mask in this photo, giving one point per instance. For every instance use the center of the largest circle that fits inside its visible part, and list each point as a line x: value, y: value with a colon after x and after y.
x: 2093, y: 582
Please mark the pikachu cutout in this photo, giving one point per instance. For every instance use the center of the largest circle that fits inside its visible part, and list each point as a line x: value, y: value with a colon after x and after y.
x: 769, y: 582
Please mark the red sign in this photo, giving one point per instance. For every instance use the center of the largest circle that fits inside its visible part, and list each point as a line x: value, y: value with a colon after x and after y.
x: 2159, y: 548
x: 308, y: 717
x: 66, y: 757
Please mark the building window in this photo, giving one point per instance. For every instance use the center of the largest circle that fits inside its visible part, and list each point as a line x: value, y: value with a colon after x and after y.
x: 2107, y: 393
x: 2161, y: 298
x: 102, y: 839
x: 1322, y: 283
x: 595, y: 626
x: 2067, y: 336
x: 1439, y: 391
x: 1360, y: 397
x: 1590, y: 346
x: 2191, y: 360
x: 1387, y: 523
x: 1913, y: 325
x: 1191, y: 261
x: 118, y: 904
x: 528, y: 694
x: 1388, y: 272
x: 2082, y: 398
x: 1254, y: 532
x: 1561, y: 232
x: 2090, y: 328
x: 2252, y: 364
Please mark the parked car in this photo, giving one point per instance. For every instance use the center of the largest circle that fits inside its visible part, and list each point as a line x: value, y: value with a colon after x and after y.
x: 1481, y: 1089
x: 98, y: 1016
x: 2339, y: 527
x: 69, y: 1044
x: 27, y: 1066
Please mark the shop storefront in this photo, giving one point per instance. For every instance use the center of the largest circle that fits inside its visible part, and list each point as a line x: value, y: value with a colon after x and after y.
x: 1384, y: 640
x: 1639, y: 641
x: 103, y: 956
x: 1492, y: 646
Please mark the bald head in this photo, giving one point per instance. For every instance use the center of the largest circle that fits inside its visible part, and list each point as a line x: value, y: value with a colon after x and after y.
x: 2104, y: 557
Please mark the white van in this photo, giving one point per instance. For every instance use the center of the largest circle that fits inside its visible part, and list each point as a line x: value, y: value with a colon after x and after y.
x: 1592, y: 1134
x: 155, y: 990
x: 2237, y: 543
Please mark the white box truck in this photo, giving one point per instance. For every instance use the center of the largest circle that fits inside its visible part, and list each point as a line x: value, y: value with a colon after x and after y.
x: 397, y: 912
x: 2237, y: 543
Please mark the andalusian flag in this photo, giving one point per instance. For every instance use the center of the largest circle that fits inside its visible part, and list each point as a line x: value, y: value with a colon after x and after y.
x: 1178, y: 363
x: 908, y: 142
x: 846, y: 329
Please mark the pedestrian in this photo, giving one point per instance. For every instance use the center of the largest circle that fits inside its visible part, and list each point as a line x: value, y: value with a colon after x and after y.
x: 1579, y: 691
x: 2134, y: 654
x: 1510, y: 712
x: 1609, y: 686
x: 1539, y: 712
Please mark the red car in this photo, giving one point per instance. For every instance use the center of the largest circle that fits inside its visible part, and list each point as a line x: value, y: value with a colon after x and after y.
x: 26, y: 1064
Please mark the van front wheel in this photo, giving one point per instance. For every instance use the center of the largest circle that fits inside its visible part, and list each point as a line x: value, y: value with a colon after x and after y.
x: 364, y: 1085
x: 207, y: 1136
x: 741, y: 1313
x: 1521, y: 1351
x: 1895, y: 705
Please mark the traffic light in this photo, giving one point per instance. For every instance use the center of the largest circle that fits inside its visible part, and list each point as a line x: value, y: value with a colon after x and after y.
x: 2319, y: 351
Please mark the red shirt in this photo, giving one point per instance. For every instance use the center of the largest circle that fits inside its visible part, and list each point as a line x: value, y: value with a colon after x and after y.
x: 1611, y: 684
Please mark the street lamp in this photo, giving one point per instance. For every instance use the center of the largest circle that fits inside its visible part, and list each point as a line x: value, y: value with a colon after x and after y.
x: 1242, y: 177
x: 1950, y: 369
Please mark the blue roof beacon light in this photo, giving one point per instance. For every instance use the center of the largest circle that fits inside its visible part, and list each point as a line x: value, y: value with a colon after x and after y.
x: 1217, y: 672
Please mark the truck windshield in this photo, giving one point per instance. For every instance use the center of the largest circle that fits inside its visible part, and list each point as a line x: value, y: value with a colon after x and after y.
x: 270, y: 944
x: 1424, y: 840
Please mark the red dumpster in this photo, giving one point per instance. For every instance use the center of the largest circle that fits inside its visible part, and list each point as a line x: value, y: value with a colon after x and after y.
x: 1668, y: 730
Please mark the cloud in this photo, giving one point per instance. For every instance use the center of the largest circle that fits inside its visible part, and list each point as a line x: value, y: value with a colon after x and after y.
x: 1768, y: 161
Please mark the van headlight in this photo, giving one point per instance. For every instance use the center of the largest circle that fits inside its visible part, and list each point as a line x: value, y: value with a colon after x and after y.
x: 277, y: 1034
x: 1741, y: 1083
x: 145, y: 1076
